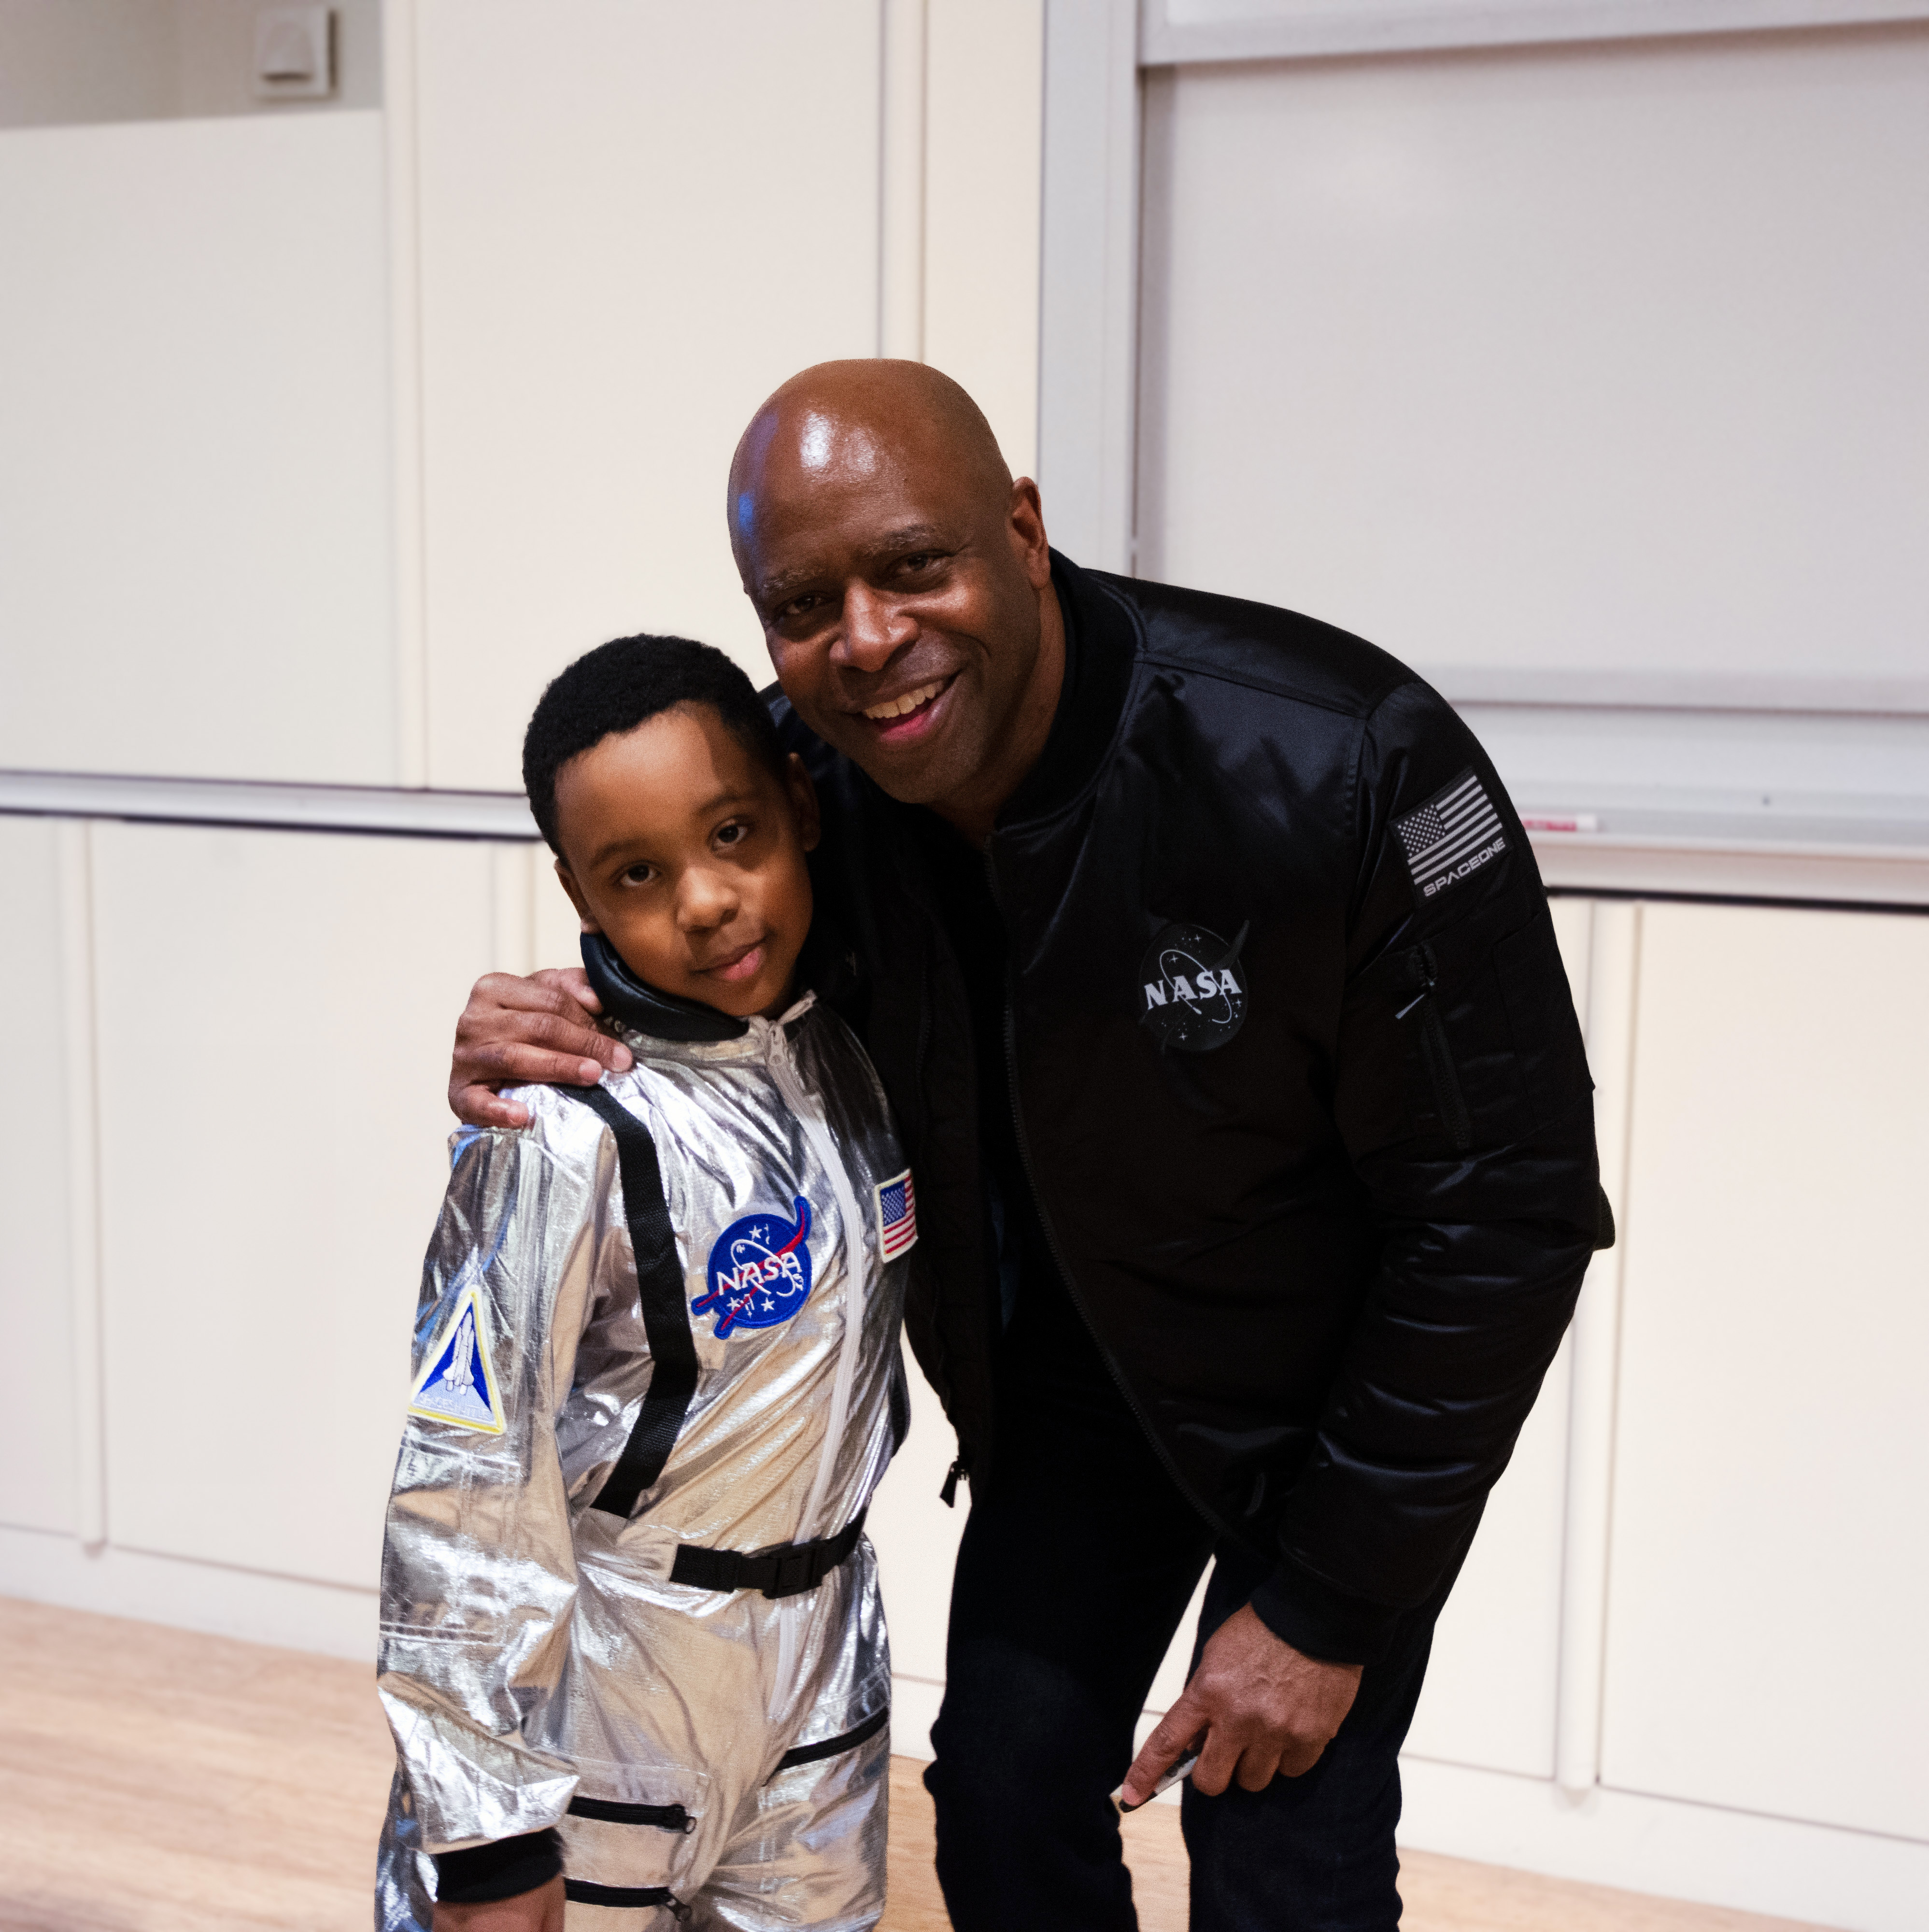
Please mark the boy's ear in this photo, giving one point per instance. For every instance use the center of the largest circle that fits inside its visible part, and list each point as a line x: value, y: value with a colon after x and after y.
x: 804, y: 802
x: 570, y: 887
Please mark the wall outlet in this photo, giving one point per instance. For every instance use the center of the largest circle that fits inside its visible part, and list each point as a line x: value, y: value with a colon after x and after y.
x: 294, y: 53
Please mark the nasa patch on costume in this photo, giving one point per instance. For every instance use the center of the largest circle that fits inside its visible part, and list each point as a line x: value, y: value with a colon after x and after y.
x: 1192, y: 996
x: 1451, y: 836
x: 459, y: 1383
x: 897, y: 1215
x: 759, y: 1270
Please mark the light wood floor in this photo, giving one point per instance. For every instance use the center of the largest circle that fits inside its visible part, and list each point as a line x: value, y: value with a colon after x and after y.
x: 152, y: 1781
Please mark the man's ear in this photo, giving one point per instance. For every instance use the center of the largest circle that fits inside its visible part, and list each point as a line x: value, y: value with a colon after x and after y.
x: 575, y: 892
x: 803, y: 801
x: 1026, y: 523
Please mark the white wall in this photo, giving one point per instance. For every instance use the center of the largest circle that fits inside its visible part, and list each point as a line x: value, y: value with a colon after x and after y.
x: 194, y: 508
x: 616, y: 267
x: 576, y: 267
x: 984, y: 136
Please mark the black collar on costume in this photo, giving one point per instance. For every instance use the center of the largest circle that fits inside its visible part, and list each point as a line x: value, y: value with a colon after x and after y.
x: 661, y: 1016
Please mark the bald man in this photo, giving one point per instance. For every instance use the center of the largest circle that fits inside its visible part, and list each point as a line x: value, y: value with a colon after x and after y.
x: 1210, y: 974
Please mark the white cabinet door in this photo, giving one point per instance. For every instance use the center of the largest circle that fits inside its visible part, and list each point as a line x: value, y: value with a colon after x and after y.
x: 275, y: 1014
x: 1769, y: 1564
x: 1489, y: 1698
x: 37, y: 1419
x: 638, y: 217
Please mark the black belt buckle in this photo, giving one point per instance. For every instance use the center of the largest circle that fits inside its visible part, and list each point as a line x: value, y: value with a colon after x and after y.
x: 797, y: 1572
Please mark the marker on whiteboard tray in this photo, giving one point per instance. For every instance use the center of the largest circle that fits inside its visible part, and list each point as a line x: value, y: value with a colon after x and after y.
x: 1559, y: 821
x: 1171, y: 1777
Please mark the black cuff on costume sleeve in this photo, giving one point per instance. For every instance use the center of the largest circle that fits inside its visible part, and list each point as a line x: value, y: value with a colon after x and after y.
x: 504, y: 1868
x: 1320, y: 1621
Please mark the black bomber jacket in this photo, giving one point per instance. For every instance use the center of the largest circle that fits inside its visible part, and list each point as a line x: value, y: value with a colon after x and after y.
x: 1300, y: 1089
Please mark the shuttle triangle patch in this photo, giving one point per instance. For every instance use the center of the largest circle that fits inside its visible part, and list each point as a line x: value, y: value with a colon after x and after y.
x: 459, y: 1383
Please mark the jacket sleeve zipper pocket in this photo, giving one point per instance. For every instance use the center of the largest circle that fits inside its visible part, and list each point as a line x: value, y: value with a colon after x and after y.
x: 1450, y: 1102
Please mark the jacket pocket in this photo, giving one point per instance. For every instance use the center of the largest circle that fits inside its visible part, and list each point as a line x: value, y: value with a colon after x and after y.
x: 630, y: 1839
x: 1420, y: 1008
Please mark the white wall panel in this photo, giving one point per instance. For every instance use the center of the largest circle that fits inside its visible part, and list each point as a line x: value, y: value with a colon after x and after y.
x: 194, y: 500
x: 37, y: 1421
x: 1600, y: 357
x: 1768, y: 1566
x: 622, y: 254
x: 984, y: 133
x: 275, y: 1013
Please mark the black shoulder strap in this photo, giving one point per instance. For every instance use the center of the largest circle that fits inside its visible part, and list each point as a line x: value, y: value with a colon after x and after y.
x: 666, y: 1321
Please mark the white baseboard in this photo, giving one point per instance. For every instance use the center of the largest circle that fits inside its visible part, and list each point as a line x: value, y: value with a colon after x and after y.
x: 1818, y: 1874
x: 286, y: 1611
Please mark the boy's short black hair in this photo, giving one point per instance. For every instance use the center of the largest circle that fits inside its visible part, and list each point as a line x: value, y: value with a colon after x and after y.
x: 618, y: 685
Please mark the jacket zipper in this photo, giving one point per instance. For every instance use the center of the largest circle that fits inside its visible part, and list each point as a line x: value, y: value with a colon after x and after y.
x: 1166, y: 1460
x: 1434, y: 1050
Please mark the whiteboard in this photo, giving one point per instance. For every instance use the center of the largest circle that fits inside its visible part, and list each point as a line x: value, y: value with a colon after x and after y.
x: 1590, y: 374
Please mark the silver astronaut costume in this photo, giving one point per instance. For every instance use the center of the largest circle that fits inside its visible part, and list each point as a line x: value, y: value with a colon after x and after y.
x: 709, y: 1754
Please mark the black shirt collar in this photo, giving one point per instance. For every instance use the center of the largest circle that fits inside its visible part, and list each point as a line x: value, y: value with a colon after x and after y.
x: 1099, y: 648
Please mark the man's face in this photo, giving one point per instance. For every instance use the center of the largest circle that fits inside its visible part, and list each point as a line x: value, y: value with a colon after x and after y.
x: 687, y: 853
x: 899, y: 598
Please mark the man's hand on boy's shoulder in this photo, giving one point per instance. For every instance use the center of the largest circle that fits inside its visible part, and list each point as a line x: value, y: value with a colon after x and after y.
x: 517, y: 1033
x: 538, y: 1911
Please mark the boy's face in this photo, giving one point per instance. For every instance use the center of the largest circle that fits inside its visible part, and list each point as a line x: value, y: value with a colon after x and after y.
x: 686, y: 853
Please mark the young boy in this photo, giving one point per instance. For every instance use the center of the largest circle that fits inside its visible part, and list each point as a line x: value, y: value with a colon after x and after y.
x: 631, y: 1648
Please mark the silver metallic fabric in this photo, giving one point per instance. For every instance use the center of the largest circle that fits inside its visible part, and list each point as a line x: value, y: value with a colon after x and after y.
x: 533, y: 1648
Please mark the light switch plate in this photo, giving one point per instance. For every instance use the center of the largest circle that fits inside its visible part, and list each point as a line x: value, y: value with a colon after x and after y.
x: 294, y: 53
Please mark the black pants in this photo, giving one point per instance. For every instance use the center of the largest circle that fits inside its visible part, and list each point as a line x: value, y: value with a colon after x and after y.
x: 1077, y: 1564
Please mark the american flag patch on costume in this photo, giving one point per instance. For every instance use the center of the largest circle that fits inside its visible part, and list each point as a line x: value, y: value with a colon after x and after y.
x: 1455, y: 832
x: 897, y: 1215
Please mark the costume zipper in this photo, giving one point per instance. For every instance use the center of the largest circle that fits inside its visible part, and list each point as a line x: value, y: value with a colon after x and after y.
x: 1448, y: 1097
x: 1131, y: 1403
x: 958, y: 1472
x: 856, y: 1272
x: 665, y: 1817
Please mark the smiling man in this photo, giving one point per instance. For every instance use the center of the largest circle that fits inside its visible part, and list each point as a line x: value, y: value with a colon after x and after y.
x: 1209, y: 975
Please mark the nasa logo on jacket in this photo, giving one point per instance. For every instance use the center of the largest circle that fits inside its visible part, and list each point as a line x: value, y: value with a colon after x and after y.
x: 759, y: 1271
x: 1192, y: 988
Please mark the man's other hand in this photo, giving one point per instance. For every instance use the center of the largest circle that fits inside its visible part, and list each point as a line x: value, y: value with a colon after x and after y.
x: 538, y: 1911
x: 516, y: 1033
x: 1257, y: 1708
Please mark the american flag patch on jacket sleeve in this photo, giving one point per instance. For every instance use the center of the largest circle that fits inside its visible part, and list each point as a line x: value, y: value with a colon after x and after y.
x: 1456, y: 831
x: 897, y: 1215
